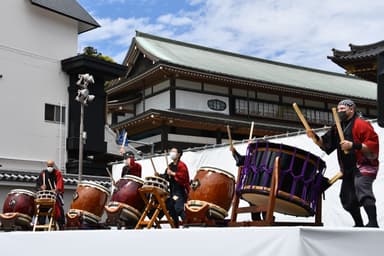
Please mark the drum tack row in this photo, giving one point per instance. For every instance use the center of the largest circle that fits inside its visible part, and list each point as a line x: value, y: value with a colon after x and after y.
x: 212, y: 193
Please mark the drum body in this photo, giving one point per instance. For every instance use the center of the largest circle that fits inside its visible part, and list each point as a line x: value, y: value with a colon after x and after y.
x: 127, y: 192
x: 158, y: 183
x: 126, y: 199
x: 215, y: 187
x: 21, y: 201
x: 89, y: 200
x: 300, y: 180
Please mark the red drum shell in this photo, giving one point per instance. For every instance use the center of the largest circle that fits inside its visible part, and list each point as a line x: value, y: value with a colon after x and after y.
x: 215, y: 186
x: 20, y: 200
x: 127, y: 192
x: 90, y: 197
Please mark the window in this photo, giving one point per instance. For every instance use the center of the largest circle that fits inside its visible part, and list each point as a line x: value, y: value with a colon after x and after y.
x: 217, y: 105
x: 241, y: 106
x: 54, y: 113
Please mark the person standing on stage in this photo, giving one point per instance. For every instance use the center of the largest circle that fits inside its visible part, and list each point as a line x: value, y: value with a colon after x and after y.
x: 178, y: 177
x: 52, y: 179
x: 358, y: 160
x: 131, y: 167
x: 256, y: 216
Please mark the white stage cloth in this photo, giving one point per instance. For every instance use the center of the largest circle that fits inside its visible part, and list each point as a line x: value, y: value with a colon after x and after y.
x: 198, y: 241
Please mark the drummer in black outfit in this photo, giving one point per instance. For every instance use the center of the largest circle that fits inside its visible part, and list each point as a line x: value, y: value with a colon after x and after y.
x: 178, y: 177
x: 256, y: 216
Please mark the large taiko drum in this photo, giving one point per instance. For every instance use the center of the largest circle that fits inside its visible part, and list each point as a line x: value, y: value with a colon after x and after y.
x: 214, y: 187
x: 126, y: 200
x: 20, y: 204
x: 89, y: 201
x: 300, y: 181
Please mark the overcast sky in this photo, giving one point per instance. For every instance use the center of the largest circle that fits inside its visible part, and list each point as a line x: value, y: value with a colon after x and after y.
x: 300, y: 32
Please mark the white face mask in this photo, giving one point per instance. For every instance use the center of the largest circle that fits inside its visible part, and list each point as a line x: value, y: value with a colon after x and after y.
x: 50, y: 169
x: 173, y: 155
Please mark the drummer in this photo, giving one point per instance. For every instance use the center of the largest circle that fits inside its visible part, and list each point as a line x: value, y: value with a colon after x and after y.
x: 52, y: 179
x: 178, y: 177
x: 256, y: 216
x: 131, y: 167
x: 358, y: 159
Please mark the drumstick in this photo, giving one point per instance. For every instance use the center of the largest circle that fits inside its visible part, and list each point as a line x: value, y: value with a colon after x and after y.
x: 301, y: 116
x: 44, y: 180
x: 153, y: 165
x: 229, y: 135
x: 50, y: 184
x: 335, y: 178
x: 302, y: 119
x: 124, y: 140
x: 110, y: 175
x: 251, y: 131
x: 338, y: 126
x: 166, y: 158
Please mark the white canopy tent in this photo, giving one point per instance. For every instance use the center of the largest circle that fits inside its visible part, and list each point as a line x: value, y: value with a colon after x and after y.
x: 220, y: 157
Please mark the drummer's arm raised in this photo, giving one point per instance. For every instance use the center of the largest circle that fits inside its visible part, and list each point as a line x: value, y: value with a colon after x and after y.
x: 316, y: 139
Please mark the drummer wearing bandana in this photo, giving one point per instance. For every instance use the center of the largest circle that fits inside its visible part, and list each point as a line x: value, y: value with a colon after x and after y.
x: 52, y: 179
x: 358, y: 160
x: 178, y: 177
x: 131, y: 167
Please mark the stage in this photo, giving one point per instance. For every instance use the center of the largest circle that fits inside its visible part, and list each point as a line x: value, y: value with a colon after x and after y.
x: 198, y: 241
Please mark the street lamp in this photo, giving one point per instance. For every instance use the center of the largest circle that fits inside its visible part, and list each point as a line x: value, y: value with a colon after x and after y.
x: 84, y: 98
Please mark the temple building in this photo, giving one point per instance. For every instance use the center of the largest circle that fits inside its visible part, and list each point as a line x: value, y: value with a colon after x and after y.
x: 180, y: 94
x: 366, y: 62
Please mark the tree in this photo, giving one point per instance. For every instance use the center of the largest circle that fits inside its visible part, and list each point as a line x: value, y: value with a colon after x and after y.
x: 91, y: 51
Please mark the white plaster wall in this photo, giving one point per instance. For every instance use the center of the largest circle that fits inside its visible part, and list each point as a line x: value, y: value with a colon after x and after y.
x: 159, y: 101
x: 198, y: 101
x: 33, y: 29
x: 33, y: 43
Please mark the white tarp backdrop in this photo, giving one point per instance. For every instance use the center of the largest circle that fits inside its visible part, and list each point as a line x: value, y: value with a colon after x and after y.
x: 220, y: 157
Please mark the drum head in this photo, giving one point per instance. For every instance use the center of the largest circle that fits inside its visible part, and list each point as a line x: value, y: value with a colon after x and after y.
x: 94, y: 185
x: 284, y: 203
x: 217, y: 170
x: 22, y: 191
x: 134, y: 178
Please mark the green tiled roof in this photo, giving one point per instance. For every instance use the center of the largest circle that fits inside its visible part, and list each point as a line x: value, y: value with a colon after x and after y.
x: 226, y: 63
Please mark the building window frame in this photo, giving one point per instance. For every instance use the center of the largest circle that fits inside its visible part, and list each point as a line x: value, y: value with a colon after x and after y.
x: 54, y: 113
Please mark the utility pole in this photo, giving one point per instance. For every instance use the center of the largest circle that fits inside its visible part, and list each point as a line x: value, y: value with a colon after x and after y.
x: 83, y: 97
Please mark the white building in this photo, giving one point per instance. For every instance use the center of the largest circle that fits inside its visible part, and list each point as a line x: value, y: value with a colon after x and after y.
x: 36, y: 36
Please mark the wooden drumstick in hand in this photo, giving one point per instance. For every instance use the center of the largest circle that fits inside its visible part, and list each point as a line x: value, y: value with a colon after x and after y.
x: 338, y: 126
x: 166, y: 157
x: 50, y: 185
x: 110, y: 175
x: 303, y: 120
x: 335, y: 178
x: 230, y: 138
x: 251, y: 131
x: 301, y: 116
x: 154, y: 168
